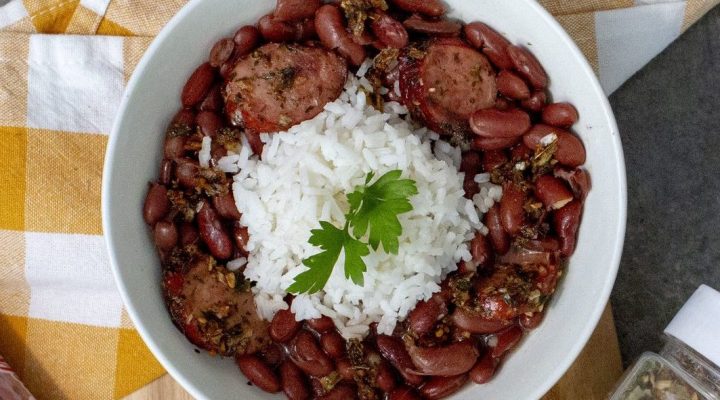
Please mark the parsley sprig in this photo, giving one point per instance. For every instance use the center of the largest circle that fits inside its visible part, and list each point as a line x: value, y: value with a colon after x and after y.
x: 374, y: 211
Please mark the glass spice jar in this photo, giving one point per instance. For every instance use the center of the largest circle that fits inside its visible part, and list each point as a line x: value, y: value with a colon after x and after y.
x: 688, y: 367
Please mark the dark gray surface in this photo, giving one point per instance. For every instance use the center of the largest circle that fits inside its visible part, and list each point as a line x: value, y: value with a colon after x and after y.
x: 669, y: 119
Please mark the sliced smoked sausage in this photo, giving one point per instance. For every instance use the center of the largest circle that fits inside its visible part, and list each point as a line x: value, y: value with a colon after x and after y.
x: 446, y: 85
x: 200, y: 304
x: 278, y: 86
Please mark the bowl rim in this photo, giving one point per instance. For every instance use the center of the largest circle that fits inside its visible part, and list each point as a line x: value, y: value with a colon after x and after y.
x: 595, y: 315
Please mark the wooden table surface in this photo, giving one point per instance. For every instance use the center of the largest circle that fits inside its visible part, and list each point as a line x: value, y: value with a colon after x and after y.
x: 591, y: 377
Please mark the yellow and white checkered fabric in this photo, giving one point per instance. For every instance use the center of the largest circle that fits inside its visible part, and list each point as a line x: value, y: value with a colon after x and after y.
x: 62, y: 323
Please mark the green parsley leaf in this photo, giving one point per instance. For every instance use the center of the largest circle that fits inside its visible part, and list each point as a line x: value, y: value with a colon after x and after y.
x: 374, y: 208
x: 355, y: 267
x: 330, y: 239
x: 381, y: 203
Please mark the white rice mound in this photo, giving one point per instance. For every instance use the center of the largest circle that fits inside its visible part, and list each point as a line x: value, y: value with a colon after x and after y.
x: 304, y: 177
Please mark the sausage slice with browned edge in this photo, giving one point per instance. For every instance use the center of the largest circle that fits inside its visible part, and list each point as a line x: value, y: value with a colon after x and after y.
x: 281, y: 84
x: 207, y: 305
x: 443, y: 83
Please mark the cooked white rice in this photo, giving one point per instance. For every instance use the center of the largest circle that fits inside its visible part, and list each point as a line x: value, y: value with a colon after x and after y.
x: 303, y: 178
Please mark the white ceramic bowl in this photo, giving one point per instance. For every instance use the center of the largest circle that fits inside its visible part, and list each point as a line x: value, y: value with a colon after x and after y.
x: 135, y: 150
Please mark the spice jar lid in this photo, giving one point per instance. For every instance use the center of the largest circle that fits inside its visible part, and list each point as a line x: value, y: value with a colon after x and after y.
x: 698, y: 322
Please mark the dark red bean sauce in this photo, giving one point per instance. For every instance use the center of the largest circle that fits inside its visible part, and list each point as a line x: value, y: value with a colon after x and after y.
x: 503, y: 123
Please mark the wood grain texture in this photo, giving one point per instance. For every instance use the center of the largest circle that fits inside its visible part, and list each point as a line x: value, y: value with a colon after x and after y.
x: 591, y: 377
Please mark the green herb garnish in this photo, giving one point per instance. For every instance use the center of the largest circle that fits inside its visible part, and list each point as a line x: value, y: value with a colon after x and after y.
x: 374, y: 211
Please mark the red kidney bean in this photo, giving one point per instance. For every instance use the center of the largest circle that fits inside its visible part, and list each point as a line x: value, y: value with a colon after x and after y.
x: 174, y: 147
x: 453, y: 359
x: 293, y: 381
x: 503, y: 104
x: 333, y: 344
x: 225, y: 206
x: 306, y: 29
x: 490, y: 144
x: 578, y: 179
x: 423, y: 317
x: 184, y: 117
x: 221, y: 52
x: 570, y: 150
x: 241, y: 236
x: 385, y: 377
x: 272, y: 355
x: 166, y: 171
x: 226, y: 69
x: 496, y: 124
x: 404, y: 393
x: 439, y: 387
x: 345, y: 369
x: 563, y: 115
x: 322, y: 324
x: 566, y: 222
x: 482, y: 254
x: 431, y: 8
x: 466, y: 267
x: 188, y: 234
x: 536, y: 101
x: 213, y: 101
x: 255, y: 143
x: 442, y: 27
x: 512, y: 213
x: 484, y: 369
x: 393, y: 349
x: 209, y: 123
x: 474, y: 322
x: 528, y: 66
x: 512, y: 86
x: 283, y: 326
x: 506, y: 340
x: 492, y: 44
x: 498, y: 237
x: 340, y: 392
x: 389, y: 31
x: 334, y: 36
x: 213, y: 234
x: 308, y: 356
x: 198, y: 85
x: 531, y: 321
x: 471, y: 187
x: 274, y: 30
x: 493, y: 159
x: 293, y: 10
x: 165, y: 235
x: 156, y: 205
x: 246, y: 39
x: 186, y: 172
x: 258, y: 373
x: 365, y: 39
x: 470, y: 163
x: 553, y: 192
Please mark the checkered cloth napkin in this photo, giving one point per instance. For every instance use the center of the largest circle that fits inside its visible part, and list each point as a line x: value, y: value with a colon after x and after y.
x: 62, y: 323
